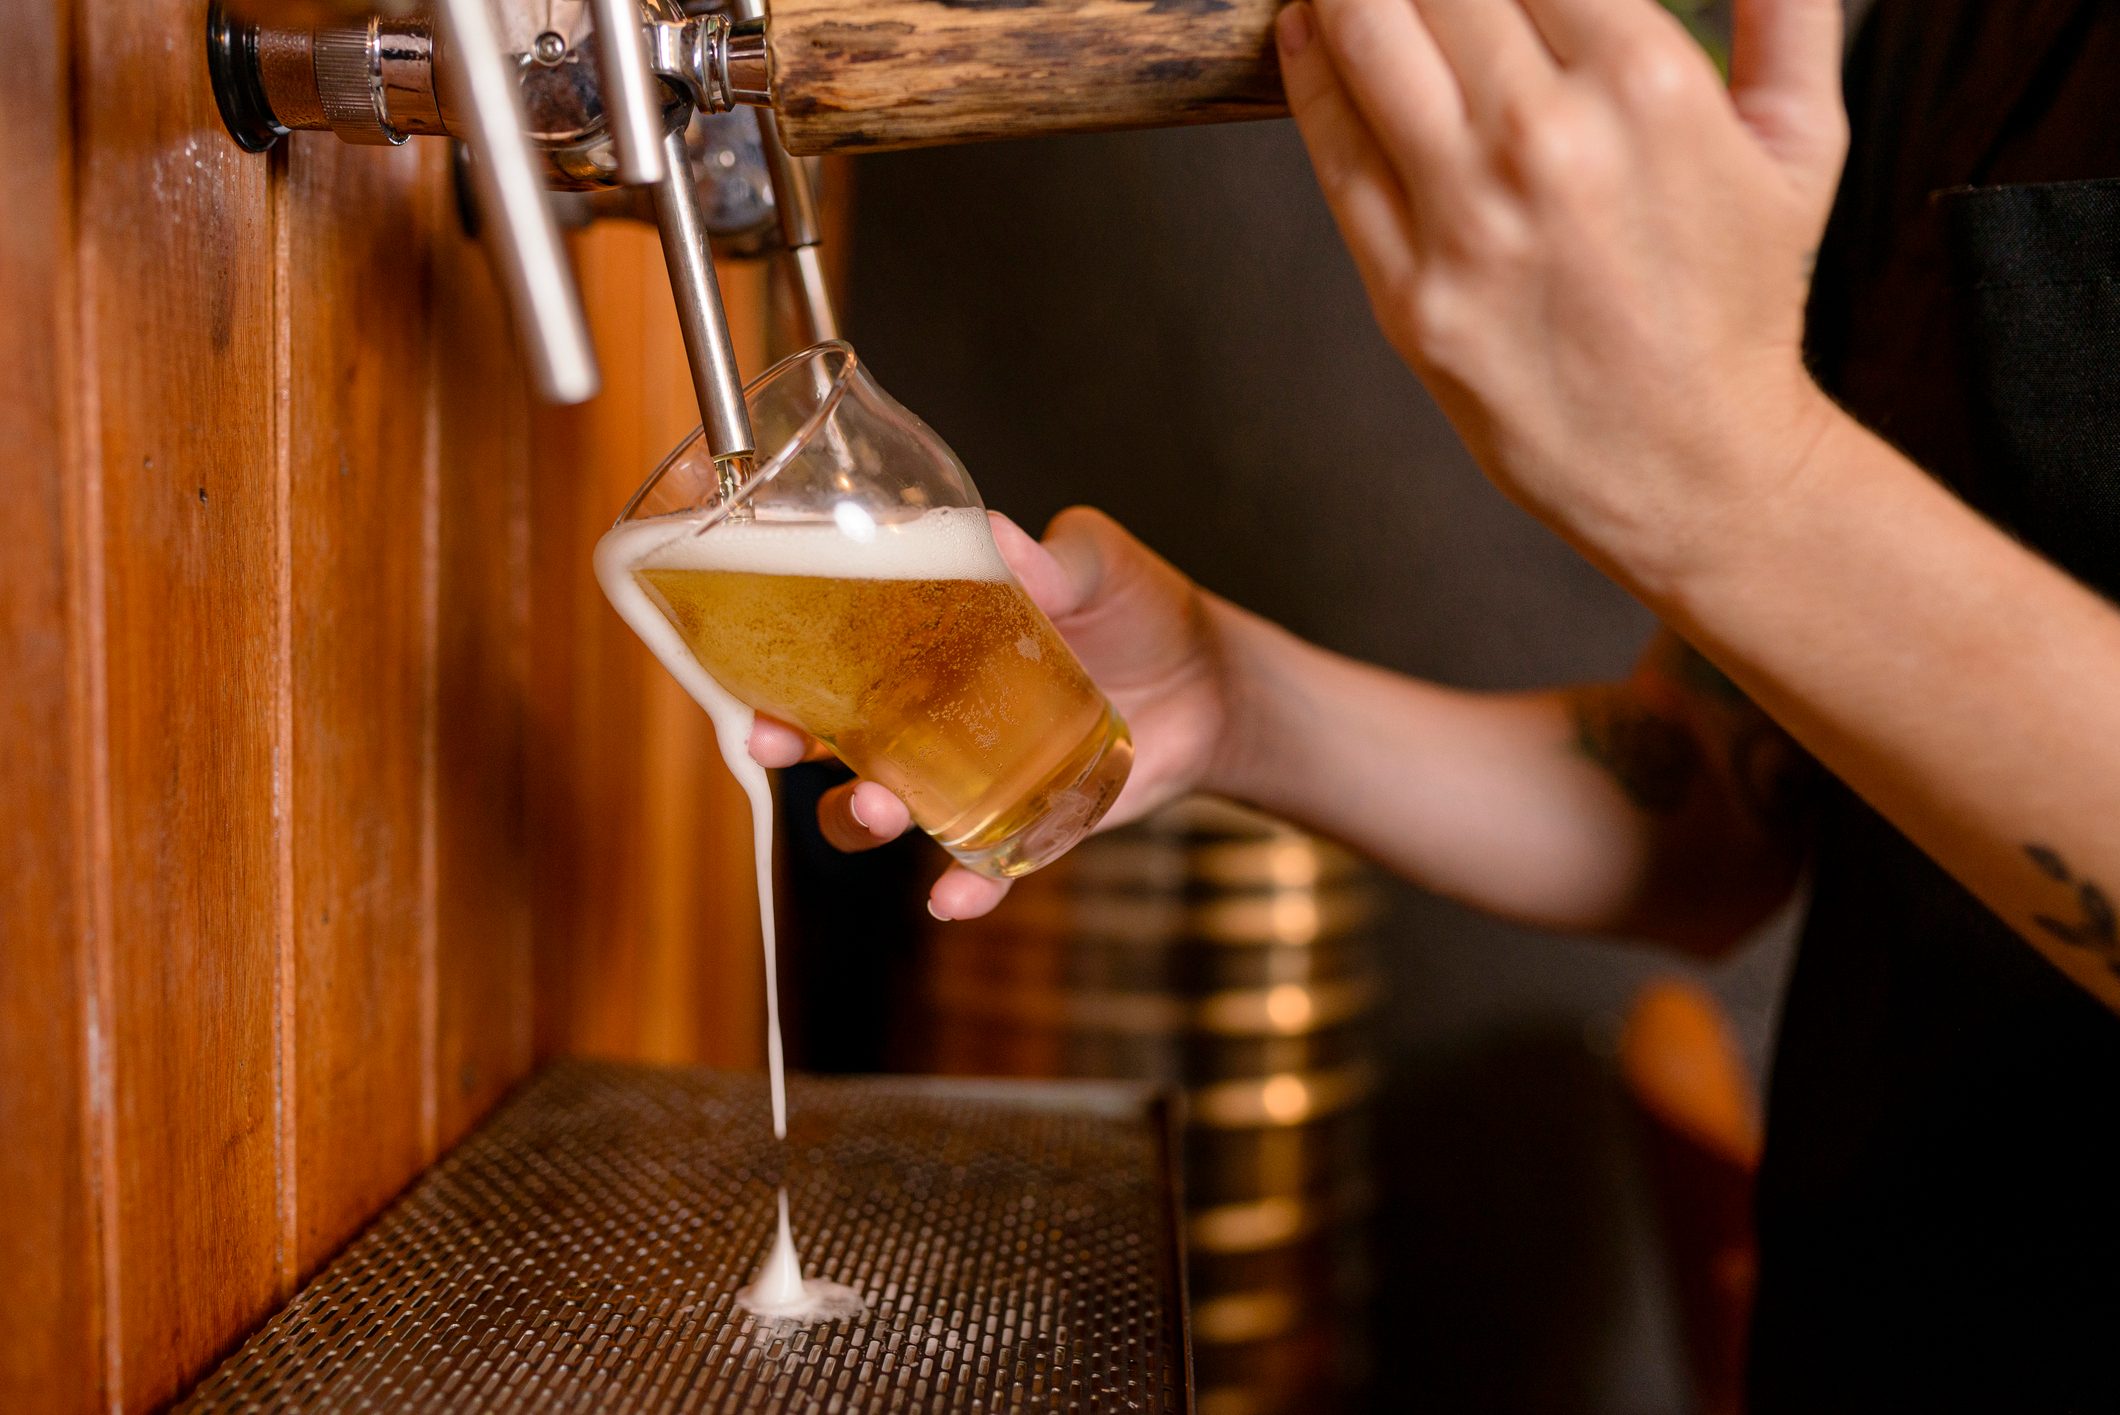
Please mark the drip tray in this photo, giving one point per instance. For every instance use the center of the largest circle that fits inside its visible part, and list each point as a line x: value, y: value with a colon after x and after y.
x: 1016, y: 1243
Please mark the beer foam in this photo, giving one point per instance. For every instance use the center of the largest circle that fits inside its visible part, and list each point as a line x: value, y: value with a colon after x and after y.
x: 780, y: 1292
x: 946, y: 543
x: 617, y: 555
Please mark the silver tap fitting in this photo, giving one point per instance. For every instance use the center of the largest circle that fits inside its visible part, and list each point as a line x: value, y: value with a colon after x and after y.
x: 375, y: 80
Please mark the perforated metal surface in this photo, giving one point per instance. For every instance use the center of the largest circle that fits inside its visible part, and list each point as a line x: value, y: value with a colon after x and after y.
x: 580, y: 1252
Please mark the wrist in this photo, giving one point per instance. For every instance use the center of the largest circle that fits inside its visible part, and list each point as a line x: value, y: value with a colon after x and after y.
x: 1754, y: 483
x: 1244, y: 650
x: 1853, y: 503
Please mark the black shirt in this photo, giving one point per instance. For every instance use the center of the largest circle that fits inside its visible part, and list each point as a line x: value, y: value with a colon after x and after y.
x: 1937, y: 1207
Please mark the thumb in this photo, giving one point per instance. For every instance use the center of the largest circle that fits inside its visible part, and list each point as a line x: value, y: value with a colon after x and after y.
x: 1062, y: 574
x: 1785, y: 81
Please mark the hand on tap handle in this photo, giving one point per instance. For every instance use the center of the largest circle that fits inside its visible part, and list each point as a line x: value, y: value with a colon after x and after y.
x: 1594, y: 252
x: 1597, y: 256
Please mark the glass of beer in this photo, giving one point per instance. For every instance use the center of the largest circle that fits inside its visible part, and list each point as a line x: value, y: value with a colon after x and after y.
x: 847, y: 582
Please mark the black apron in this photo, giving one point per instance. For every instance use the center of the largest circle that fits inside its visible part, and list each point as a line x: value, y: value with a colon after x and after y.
x: 1935, y: 1229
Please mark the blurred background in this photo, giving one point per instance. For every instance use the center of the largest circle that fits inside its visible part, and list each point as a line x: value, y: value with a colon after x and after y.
x: 1166, y: 326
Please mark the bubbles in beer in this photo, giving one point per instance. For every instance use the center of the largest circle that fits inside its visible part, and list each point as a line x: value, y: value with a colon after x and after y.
x: 911, y: 652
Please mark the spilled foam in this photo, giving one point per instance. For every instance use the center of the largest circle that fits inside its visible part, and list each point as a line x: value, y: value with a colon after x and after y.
x: 781, y: 1292
x: 617, y: 555
x: 942, y: 544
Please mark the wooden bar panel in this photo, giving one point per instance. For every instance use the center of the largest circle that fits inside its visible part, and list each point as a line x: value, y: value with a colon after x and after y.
x: 646, y: 917
x: 327, y: 778
x: 482, y: 490
x: 587, y: 671
x: 356, y: 404
x: 177, y: 284
x: 705, y: 981
x: 50, y: 1357
x: 868, y: 75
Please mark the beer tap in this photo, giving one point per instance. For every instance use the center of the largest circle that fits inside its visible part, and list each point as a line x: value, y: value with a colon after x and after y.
x: 653, y: 153
x: 366, y: 73
x: 823, y: 75
x: 534, y: 117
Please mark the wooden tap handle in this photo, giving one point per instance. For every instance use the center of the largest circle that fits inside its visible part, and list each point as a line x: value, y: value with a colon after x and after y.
x: 867, y: 75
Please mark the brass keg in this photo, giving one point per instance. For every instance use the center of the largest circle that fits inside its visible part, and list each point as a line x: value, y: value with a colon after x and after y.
x: 1226, y: 955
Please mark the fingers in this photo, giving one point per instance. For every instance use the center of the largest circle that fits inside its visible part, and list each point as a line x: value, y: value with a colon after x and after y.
x: 1360, y: 182
x: 861, y: 815
x: 1379, y: 61
x: 1582, y: 31
x: 1494, y: 50
x: 775, y: 744
x: 1055, y: 586
x: 960, y: 894
x: 1785, y: 81
x: 1085, y: 558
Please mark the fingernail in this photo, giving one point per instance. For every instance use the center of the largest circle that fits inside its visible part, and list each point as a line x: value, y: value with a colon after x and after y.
x: 1293, y: 28
x: 854, y: 809
x: 935, y: 913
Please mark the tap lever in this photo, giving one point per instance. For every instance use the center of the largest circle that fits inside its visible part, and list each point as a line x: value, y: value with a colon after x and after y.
x: 632, y: 96
x: 716, y: 381
x: 526, y: 242
x: 795, y: 200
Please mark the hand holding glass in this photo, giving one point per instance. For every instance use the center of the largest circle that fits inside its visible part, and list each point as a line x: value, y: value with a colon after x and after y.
x: 849, y: 585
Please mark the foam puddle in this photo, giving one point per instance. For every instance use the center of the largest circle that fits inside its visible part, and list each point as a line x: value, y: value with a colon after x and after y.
x: 780, y: 1291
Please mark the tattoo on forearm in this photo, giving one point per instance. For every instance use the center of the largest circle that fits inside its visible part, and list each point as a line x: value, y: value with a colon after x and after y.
x: 2092, y: 925
x: 1774, y: 777
x: 1654, y: 758
x: 1691, y: 669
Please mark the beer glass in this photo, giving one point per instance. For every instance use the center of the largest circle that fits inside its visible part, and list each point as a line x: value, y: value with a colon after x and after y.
x: 848, y: 583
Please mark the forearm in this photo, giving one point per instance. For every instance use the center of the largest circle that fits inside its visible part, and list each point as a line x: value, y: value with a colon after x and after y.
x: 1609, y: 809
x: 1962, y: 685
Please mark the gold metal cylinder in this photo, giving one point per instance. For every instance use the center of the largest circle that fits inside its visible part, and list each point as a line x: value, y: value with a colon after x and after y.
x: 1225, y: 955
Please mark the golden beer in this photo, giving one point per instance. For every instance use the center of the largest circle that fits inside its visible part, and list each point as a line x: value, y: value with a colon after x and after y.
x: 918, y: 660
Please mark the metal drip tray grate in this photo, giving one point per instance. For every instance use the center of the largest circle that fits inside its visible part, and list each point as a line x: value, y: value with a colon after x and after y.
x: 1016, y: 1244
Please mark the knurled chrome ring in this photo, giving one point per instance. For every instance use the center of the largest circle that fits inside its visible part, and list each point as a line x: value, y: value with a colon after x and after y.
x: 349, y: 73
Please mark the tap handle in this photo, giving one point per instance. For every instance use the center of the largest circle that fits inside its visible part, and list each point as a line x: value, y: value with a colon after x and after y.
x: 867, y: 75
x: 516, y: 216
x: 795, y: 201
x: 632, y: 95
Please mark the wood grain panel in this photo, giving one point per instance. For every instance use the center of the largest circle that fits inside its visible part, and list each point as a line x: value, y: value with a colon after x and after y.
x: 588, y: 676
x: 356, y: 283
x: 49, y: 1357
x: 482, y: 877
x: 646, y: 926
x: 867, y: 75
x: 705, y: 984
x: 296, y: 627
x: 177, y: 283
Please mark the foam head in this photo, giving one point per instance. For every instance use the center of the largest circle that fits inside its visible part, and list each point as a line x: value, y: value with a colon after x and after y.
x: 947, y: 543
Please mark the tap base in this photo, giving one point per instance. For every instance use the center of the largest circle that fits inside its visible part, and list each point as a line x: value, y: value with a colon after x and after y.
x: 238, y: 82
